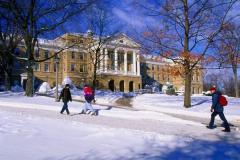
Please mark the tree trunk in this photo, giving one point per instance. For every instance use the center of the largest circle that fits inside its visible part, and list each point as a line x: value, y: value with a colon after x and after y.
x: 7, y: 81
x: 236, y: 82
x: 29, y: 85
x: 187, y: 91
x: 94, y: 78
x: 188, y: 75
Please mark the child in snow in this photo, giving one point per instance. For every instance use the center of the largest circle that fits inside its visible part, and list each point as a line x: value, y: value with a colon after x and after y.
x: 217, y: 109
x: 89, y: 97
x: 66, y: 97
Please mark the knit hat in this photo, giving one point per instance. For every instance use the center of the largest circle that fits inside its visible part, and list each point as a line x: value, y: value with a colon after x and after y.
x: 213, y: 88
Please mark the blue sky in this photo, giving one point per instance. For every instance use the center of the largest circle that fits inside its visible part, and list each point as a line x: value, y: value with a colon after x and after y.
x: 125, y: 15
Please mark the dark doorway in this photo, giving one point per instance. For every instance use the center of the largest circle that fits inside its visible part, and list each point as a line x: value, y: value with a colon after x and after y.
x: 121, y: 86
x: 111, y: 85
x: 131, y: 86
x: 24, y: 84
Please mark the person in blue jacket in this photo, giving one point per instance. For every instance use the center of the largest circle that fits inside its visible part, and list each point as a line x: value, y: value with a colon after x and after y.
x: 217, y: 109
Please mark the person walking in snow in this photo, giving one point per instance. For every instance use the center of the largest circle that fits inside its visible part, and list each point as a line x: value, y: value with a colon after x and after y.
x: 66, y: 97
x: 217, y: 109
x: 89, y: 97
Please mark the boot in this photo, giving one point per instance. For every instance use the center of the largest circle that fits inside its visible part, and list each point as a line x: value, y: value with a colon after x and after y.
x: 226, y: 130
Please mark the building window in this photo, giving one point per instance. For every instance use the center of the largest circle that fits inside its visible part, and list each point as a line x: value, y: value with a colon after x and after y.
x: 46, y: 67
x: 129, y: 58
x: 73, y: 55
x: 54, y: 67
x: 72, y: 67
x: 56, y: 56
x: 37, y: 67
x: 46, y: 54
x: 152, y: 67
x: 81, y: 56
x: 82, y: 68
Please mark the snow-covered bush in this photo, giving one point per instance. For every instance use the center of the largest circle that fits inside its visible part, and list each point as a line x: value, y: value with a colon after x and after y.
x: 60, y: 87
x: 67, y: 80
x: 17, y: 88
x: 44, y: 88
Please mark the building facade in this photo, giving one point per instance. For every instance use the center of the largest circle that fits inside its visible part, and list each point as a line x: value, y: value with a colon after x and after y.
x: 155, y: 69
x: 121, y: 68
x: 118, y: 69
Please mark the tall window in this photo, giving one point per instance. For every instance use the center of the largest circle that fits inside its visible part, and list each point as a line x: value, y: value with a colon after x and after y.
x: 46, y: 67
x: 54, y: 67
x: 81, y: 56
x: 37, y: 67
x: 72, y: 67
x: 46, y: 54
x: 152, y: 67
x: 56, y: 56
x: 82, y: 68
x: 73, y: 55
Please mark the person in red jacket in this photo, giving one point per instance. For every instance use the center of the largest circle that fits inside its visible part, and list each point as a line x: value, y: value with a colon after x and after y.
x: 89, y: 97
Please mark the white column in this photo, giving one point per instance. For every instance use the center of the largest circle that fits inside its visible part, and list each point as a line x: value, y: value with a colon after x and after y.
x: 106, y: 59
x: 134, y: 62
x: 101, y: 59
x: 125, y: 62
x: 138, y: 65
x: 115, y: 60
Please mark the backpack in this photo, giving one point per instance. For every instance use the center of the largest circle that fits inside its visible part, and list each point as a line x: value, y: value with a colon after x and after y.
x: 223, y: 101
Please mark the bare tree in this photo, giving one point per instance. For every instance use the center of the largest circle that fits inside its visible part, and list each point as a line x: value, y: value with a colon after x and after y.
x: 36, y: 18
x: 100, y: 34
x: 185, y: 32
x: 228, y: 48
x: 9, y: 40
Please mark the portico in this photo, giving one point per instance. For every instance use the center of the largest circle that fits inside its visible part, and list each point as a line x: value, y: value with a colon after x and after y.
x: 119, y: 61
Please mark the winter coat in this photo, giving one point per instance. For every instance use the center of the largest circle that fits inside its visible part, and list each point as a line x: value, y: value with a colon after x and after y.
x: 88, y: 94
x: 65, y: 95
x: 215, y: 102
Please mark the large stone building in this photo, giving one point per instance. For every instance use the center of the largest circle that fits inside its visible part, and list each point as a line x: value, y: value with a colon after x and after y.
x: 161, y: 71
x: 118, y: 70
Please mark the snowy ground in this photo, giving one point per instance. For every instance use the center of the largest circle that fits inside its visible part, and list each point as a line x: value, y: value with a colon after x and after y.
x: 156, y: 128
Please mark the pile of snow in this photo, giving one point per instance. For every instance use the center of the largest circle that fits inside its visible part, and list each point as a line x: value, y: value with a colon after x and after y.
x: 17, y: 88
x: 60, y: 87
x: 44, y: 88
x: 67, y: 80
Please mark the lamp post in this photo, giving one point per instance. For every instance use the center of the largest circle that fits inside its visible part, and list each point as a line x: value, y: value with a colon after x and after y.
x: 56, y: 60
